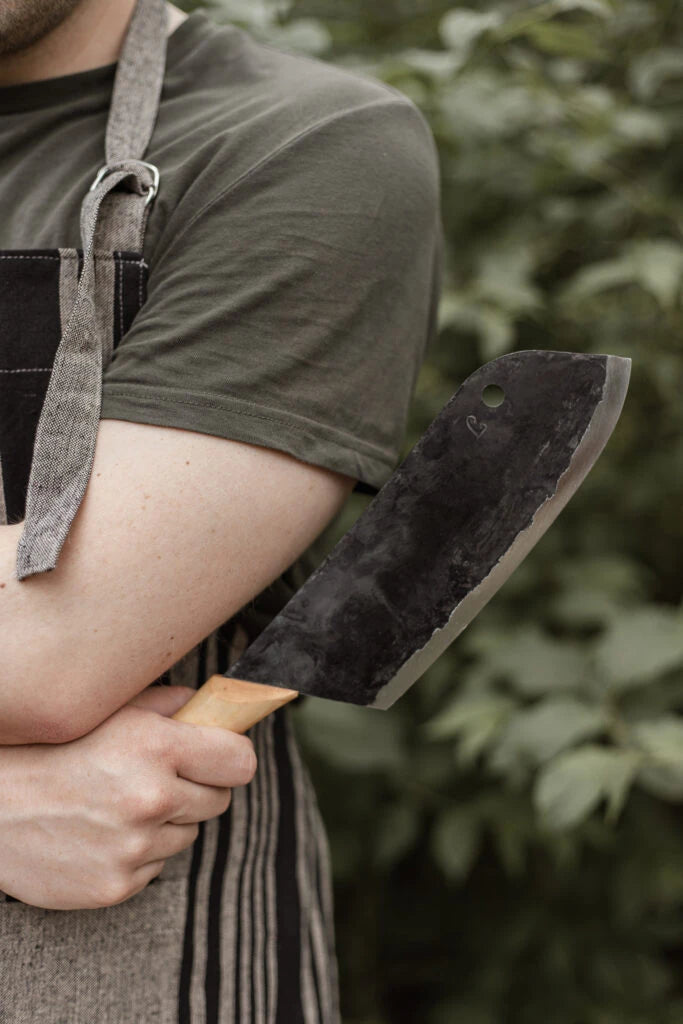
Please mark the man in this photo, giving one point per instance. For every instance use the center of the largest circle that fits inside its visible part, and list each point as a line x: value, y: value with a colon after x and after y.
x: 290, y: 278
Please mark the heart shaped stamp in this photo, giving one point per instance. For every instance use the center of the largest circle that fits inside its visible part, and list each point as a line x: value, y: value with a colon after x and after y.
x: 474, y: 426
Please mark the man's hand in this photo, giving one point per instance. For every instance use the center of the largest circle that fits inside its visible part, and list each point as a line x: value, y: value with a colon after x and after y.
x: 177, y: 531
x: 89, y: 823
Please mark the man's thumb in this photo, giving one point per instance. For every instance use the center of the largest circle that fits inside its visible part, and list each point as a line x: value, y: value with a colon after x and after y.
x: 165, y: 700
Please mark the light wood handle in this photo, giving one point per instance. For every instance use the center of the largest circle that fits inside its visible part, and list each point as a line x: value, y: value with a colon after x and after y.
x: 233, y: 704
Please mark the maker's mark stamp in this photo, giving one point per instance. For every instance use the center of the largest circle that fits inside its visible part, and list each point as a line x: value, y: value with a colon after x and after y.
x: 474, y: 426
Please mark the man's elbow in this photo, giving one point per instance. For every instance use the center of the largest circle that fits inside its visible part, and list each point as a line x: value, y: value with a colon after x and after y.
x: 64, y: 725
x: 34, y: 730
x: 41, y: 723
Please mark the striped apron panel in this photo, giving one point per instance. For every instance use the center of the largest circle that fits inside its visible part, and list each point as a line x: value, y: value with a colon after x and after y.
x: 238, y: 928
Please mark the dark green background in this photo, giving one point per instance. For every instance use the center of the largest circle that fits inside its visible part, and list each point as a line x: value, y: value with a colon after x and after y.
x: 507, y: 840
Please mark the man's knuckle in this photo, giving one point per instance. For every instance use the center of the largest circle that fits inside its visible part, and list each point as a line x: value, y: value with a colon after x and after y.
x: 152, y: 802
x: 113, y: 889
x: 137, y: 847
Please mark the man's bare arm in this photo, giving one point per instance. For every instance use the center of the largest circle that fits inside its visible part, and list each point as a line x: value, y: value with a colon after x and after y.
x: 178, y: 530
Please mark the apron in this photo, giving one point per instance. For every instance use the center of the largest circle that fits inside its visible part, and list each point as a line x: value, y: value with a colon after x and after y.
x: 238, y: 927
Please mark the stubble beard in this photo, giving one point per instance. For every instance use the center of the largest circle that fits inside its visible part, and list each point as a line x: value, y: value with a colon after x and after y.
x: 24, y: 22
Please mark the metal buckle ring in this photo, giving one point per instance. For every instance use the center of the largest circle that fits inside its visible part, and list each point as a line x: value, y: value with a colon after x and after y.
x: 151, y: 191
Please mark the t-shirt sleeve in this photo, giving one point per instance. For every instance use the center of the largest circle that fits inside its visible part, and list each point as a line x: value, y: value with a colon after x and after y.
x: 293, y: 309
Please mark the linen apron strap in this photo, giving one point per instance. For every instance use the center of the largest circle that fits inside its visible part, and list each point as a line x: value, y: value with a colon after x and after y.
x: 66, y: 435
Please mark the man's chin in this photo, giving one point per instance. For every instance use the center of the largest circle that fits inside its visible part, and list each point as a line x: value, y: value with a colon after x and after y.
x: 23, y: 23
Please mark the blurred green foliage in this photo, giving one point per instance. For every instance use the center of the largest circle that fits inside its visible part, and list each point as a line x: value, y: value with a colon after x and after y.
x: 507, y: 840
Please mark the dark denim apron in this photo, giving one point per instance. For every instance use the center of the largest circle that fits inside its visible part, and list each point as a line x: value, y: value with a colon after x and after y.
x: 239, y: 926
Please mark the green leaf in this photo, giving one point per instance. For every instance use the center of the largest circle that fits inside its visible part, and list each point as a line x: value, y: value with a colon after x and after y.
x: 601, y: 8
x: 474, y: 718
x: 460, y: 28
x: 641, y: 127
x: 656, y: 265
x: 482, y: 105
x: 613, y: 574
x: 580, y: 607
x: 504, y: 277
x: 495, y: 328
x: 529, y: 19
x: 474, y: 741
x: 452, y: 305
x: 566, y: 40
x: 535, y: 663
x: 455, y: 841
x: 535, y: 735
x: 354, y: 739
x: 650, y: 69
x: 496, y: 332
x: 597, y: 277
x: 573, y: 784
x: 661, y: 739
x: 253, y: 14
x: 639, y: 646
x: 305, y: 35
x: 467, y: 713
x: 439, y: 65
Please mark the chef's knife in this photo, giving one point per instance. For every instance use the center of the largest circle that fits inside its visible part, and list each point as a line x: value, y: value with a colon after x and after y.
x: 463, y: 509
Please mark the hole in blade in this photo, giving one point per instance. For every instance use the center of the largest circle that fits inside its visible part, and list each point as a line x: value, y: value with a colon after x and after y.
x: 492, y: 395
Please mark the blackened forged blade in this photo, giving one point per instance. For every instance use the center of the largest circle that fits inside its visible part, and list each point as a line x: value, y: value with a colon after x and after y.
x: 464, y: 508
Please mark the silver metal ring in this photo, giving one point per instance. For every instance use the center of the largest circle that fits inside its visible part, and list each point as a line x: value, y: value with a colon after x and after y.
x: 151, y: 191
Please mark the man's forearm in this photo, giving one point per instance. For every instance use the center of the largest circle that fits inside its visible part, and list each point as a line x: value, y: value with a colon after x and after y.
x: 177, y: 531
x: 21, y: 721
x: 32, y: 632
x: 24, y: 677
x: 9, y: 733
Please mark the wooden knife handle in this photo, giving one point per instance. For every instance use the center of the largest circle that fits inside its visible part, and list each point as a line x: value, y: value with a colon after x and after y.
x: 233, y: 703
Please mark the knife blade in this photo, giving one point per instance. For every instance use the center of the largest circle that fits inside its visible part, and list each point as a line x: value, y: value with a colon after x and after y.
x: 460, y: 513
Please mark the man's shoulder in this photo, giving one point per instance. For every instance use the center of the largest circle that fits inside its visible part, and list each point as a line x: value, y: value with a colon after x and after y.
x: 224, y: 63
x: 316, y: 89
x: 233, y: 105
x: 229, y: 91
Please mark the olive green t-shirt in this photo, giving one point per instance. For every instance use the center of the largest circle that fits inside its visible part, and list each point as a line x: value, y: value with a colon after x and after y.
x: 294, y: 248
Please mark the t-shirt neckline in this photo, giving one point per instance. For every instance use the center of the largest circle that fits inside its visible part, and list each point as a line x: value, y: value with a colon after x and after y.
x: 48, y: 92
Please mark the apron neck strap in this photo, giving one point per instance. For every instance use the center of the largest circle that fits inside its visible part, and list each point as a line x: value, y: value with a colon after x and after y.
x: 132, y: 115
x: 66, y: 435
x: 137, y: 83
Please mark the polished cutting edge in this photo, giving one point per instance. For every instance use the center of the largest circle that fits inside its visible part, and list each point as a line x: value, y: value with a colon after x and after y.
x: 600, y: 427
